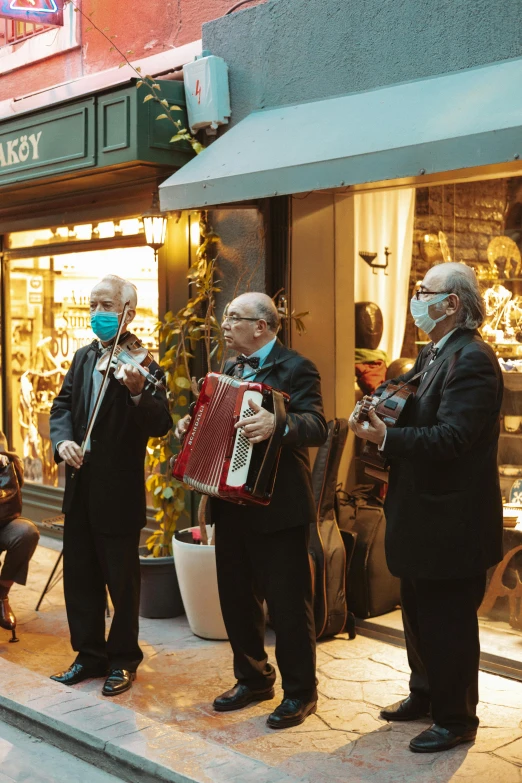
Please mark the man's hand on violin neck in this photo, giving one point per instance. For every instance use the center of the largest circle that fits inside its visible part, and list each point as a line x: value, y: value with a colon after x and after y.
x: 71, y: 453
x: 373, y: 430
x: 132, y: 379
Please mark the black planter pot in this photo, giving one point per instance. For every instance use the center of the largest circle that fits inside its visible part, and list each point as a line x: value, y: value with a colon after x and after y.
x: 160, y: 596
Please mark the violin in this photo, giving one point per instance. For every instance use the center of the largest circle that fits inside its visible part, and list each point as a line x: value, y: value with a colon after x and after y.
x: 129, y: 351
x: 117, y: 355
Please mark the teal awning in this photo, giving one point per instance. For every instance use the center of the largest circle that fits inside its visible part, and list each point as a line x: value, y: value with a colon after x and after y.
x: 456, y: 121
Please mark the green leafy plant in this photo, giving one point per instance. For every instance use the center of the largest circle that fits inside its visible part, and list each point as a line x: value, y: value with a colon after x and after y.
x: 192, y: 330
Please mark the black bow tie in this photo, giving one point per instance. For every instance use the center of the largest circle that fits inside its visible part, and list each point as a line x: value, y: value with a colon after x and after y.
x: 432, y: 352
x: 253, y: 361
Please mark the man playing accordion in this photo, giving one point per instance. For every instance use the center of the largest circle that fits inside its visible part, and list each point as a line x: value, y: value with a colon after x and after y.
x: 262, y: 551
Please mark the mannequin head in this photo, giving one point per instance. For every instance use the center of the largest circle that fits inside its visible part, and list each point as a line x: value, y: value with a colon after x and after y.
x: 368, y: 325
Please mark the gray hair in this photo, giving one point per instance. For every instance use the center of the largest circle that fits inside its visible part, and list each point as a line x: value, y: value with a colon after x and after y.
x: 126, y: 289
x: 261, y: 306
x: 463, y: 282
x: 267, y: 311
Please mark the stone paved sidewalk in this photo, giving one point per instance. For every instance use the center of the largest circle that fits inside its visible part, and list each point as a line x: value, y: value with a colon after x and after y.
x: 346, y: 741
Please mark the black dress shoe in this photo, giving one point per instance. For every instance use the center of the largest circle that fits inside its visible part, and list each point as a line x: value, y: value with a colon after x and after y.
x: 437, y: 738
x: 239, y: 696
x: 77, y: 673
x: 291, y: 712
x: 411, y: 708
x: 118, y: 681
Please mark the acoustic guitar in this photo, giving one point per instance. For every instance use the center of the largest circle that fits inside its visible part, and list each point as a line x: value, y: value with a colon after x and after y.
x: 390, y: 408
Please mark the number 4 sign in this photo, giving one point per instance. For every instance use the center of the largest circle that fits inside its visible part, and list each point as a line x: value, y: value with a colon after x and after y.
x: 39, y: 11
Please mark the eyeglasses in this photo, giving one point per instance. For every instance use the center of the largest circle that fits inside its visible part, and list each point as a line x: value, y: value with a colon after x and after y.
x: 421, y: 292
x: 234, y: 319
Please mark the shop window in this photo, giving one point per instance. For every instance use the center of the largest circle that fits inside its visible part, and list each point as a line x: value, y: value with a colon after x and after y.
x: 15, y: 31
x: 49, y: 321
x: 22, y: 43
x: 70, y: 234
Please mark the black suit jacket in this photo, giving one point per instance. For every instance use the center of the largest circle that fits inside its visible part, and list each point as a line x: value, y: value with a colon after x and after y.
x: 292, y: 503
x: 443, y: 506
x: 118, y: 442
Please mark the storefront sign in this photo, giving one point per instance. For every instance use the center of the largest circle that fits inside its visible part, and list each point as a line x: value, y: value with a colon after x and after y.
x: 112, y: 128
x: 56, y: 140
x: 20, y: 149
x: 37, y: 11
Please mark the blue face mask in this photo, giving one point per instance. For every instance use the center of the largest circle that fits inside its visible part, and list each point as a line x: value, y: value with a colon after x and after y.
x: 105, y: 325
x: 421, y: 316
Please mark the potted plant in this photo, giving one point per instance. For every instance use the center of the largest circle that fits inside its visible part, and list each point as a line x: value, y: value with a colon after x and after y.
x: 192, y: 334
x: 194, y: 330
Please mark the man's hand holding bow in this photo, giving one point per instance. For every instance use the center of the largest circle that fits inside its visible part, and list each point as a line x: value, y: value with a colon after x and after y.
x: 258, y: 427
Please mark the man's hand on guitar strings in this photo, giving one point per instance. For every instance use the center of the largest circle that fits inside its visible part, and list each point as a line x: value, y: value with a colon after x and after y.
x: 373, y: 430
x: 258, y: 427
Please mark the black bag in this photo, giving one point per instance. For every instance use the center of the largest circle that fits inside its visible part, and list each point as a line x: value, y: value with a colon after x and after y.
x: 11, y: 481
x: 371, y: 589
x: 326, y: 547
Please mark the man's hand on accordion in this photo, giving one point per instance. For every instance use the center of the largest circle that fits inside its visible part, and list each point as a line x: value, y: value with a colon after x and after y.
x: 258, y: 427
x: 182, y: 427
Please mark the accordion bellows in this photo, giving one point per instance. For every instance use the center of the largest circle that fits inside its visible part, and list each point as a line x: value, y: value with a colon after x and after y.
x: 218, y: 460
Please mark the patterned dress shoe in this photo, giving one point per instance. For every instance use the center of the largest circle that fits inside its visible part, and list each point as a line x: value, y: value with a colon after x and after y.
x: 291, y: 712
x: 118, y: 681
x: 411, y: 708
x: 77, y: 673
x: 436, y: 738
x: 8, y: 619
x: 239, y: 696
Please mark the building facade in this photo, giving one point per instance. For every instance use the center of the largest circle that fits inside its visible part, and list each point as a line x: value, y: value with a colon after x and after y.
x: 385, y: 137
x: 81, y: 158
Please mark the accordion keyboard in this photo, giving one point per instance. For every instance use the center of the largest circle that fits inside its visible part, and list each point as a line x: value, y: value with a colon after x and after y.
x: 240, y: 462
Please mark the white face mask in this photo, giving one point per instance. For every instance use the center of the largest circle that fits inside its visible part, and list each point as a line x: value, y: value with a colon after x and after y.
x: 421, y: 316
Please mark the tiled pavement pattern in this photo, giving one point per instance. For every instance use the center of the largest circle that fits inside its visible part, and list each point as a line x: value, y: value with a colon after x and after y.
x: 345, y: 741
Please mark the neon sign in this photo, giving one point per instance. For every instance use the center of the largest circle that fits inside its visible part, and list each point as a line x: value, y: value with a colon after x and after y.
x: 39, y: 11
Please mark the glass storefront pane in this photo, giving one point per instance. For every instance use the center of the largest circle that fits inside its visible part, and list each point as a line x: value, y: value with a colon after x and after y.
x: 76, y: 233
x: 49, y: 322
x: 478, y: 223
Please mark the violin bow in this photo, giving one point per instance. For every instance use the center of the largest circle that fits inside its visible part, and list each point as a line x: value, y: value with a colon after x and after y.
x: 105, y: 381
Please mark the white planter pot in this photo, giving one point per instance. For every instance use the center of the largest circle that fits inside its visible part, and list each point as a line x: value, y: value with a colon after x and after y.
x: 196, y: 570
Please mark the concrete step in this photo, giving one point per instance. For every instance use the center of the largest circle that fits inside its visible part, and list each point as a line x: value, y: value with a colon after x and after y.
x: 118, y: 740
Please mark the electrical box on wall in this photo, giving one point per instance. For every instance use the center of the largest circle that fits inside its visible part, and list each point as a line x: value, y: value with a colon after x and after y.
x: 207, y: 93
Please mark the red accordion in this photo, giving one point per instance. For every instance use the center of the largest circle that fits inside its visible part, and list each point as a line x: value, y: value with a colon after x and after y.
x: 217, y: 459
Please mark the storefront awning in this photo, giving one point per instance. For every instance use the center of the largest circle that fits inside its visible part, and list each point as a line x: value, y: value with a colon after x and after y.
x: 457, y: 121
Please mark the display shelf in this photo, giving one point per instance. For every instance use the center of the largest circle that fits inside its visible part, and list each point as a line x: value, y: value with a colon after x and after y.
x: 512, y: 380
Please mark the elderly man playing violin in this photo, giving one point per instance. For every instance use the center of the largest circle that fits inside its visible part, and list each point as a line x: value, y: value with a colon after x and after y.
x: 104, y: 500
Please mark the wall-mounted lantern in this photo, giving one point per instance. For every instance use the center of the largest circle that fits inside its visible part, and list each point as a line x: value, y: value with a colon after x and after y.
x: 155, y: 226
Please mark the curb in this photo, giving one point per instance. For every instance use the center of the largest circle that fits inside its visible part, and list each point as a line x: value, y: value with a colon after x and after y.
x: 118, y: 740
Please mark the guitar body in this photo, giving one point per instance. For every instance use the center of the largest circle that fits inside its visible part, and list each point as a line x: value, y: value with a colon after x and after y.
x: 395, y: 400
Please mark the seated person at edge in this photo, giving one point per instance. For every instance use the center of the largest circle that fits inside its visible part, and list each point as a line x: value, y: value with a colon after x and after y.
x: 443, y: 506
x: 104, y: 500
x: 262, y: 551
x: 18, y: 539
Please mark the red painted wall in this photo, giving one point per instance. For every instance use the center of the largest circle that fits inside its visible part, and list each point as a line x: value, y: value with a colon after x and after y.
x: 144, y: 26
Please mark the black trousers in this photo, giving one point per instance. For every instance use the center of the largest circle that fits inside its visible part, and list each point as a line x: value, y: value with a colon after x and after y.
x: 18, y: 539
x: 253, y: 566
x: 91, y: 562
x: 442, y: 641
